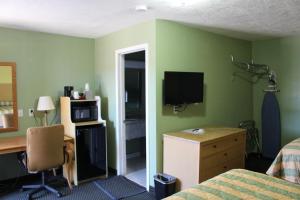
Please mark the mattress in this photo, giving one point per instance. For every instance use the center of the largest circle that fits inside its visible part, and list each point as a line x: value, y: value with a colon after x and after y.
x: 287, y: 163
x: 240, y: 184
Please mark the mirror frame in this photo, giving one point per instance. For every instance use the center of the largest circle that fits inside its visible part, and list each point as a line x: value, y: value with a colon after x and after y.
x: 14, y: 93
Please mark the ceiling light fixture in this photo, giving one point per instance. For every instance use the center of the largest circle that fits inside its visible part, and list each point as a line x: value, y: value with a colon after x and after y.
x: 141, y: 8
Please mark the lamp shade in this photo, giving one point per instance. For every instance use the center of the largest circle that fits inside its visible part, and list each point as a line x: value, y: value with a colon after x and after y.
x: 45, y: 103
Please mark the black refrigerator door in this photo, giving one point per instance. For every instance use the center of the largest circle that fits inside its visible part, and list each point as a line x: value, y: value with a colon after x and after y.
x: 90, y: 151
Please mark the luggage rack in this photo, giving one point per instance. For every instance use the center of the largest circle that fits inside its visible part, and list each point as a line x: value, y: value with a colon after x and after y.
x: 251, y: 134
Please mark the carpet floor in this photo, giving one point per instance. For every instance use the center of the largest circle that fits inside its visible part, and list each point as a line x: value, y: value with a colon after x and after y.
x: 119, y: 187
x: 84, y: 191
x: 89, y: 190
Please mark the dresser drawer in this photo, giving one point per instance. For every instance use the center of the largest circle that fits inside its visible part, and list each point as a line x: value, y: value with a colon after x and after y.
x: 214, y: 171
x: 221, y: 145
x: 236, y: 152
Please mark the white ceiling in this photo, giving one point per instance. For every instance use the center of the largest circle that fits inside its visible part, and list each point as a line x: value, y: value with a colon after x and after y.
x: 247, y: 19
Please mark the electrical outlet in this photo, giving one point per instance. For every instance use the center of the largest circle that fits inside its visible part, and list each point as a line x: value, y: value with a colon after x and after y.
x: 30, y: 112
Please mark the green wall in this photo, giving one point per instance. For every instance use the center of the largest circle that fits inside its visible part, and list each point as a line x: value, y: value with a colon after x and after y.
x: 282, y: 55
x: 45, y: 64
x: 105, y: 48
x: 177, y: 47
x: 227, y: 101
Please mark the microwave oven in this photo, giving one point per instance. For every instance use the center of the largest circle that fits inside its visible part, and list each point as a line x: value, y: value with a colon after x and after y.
x: 84, y: 113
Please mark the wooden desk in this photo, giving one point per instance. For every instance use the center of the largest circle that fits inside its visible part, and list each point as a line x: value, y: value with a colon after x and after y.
x: 18, y: 144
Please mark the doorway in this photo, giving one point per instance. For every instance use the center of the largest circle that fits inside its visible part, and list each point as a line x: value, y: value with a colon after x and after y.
x: 135, y: 127
x: 132, y: 114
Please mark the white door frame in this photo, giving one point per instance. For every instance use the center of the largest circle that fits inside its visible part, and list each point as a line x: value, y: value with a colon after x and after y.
x: 120, y: 107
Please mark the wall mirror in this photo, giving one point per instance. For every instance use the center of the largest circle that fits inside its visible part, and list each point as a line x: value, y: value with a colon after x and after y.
x: 8, y: 97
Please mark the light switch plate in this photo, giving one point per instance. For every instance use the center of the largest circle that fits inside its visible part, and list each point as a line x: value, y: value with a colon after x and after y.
x: 20, y: 112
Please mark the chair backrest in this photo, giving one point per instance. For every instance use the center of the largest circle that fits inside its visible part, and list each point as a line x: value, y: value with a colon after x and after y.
x: 45, y: 147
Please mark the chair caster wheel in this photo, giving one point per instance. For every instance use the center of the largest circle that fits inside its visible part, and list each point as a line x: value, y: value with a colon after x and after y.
x: 59, y: 195
x: 28, y: 197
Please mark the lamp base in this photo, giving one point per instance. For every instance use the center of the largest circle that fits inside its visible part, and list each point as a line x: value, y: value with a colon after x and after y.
x: 45, y: 119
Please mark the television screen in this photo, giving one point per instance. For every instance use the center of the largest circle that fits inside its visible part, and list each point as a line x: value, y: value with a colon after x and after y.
x: 183, y: 88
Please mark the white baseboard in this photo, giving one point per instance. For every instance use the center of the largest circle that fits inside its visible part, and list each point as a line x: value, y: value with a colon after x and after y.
x: 133, y: 155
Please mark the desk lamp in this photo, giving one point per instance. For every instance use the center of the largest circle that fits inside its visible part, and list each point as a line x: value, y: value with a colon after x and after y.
x: 45, y: 104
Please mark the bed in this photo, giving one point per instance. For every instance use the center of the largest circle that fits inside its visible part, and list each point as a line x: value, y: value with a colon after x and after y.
x: 240, y: 184
x: 287, y: 163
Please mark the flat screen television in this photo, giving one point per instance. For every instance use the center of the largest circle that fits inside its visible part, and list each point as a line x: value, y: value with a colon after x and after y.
x: 183, y: 87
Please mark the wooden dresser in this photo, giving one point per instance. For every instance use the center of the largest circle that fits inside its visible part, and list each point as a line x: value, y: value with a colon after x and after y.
x: 195, y: 158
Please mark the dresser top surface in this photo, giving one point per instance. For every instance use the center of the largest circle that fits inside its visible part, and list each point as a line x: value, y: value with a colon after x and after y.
x: 208, y: 135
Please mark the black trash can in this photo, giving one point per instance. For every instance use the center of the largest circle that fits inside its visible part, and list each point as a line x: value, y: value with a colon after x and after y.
x: 164, y: 185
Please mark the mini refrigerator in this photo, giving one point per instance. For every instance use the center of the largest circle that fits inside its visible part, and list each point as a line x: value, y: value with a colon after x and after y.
x: 91, y: 152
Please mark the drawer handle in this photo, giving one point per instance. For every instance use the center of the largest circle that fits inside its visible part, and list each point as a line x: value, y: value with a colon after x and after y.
x: 235, y: 139
x: 215, y: 146
x: 225, y: 154
x: 225, y: 167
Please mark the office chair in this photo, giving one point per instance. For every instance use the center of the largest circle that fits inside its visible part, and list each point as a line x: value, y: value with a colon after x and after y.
x: 44, y: 151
